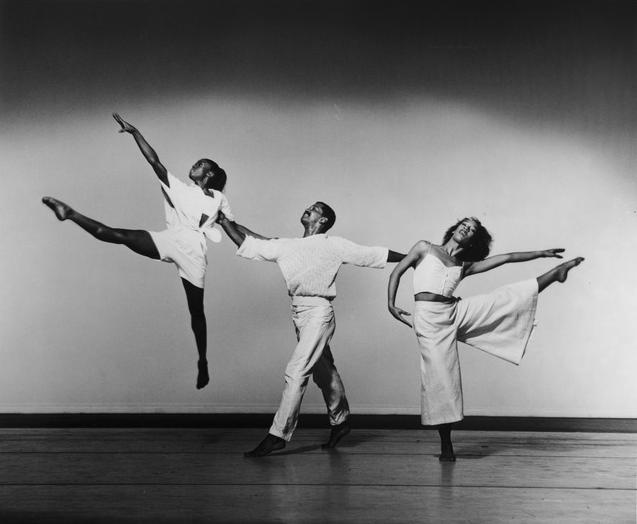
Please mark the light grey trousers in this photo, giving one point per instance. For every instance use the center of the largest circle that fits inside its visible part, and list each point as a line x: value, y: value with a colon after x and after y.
x: 314, y: 323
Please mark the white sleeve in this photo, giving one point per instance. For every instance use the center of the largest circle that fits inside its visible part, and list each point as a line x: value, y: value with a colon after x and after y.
x: 258, y: 249
x: 363, y: 256
x: 225, y: 207
x: 174, y: 183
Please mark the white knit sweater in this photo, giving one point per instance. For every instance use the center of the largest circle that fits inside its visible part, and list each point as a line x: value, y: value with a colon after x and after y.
x: 310, y: 265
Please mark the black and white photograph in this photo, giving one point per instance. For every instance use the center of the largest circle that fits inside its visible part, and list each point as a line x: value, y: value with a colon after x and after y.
x: 301, y: 261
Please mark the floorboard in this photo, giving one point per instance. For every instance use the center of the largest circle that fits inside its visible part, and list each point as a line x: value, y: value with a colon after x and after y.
x: 200, y: 475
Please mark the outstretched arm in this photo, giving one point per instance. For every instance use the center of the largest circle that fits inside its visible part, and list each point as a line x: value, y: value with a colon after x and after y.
x: 411, y: 259
x: 236, y: 232
x: 246, y: 231
x: 498, y: 260
x: 147, y: 151
x: 394, y: 256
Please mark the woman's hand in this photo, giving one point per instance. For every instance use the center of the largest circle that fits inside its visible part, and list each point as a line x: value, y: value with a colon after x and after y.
x: 126, y: 127
x: 399, y: 314
x: 552, y: 253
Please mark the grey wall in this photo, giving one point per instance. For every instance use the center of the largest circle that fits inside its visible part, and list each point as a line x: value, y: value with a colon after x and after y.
x: 403, y: 116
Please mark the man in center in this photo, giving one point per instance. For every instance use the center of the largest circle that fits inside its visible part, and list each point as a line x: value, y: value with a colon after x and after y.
x: 309, y: 266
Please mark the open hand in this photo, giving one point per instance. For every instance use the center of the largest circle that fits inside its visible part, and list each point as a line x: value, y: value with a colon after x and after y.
x: 126, y: 127
x: 399, y: 314
x: 553, y: 253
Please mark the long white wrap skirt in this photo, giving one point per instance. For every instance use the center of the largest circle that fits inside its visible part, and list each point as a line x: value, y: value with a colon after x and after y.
x: 499, y: 323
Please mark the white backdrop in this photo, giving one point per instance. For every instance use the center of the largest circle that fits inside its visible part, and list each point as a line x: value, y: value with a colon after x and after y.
x: 92, y: 327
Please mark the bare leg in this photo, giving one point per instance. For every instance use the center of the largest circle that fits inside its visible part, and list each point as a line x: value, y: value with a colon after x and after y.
x: 194, y: 295
x: 138, y: 240
x: 557, y: 274
x: 446, y: 447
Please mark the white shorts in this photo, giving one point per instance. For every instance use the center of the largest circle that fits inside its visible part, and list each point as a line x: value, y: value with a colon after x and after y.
x: 186, y: 249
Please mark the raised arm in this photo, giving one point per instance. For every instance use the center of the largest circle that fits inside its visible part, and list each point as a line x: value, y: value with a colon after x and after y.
x: 411, y: 259
x: 147, y: 151
x: 498, y: 260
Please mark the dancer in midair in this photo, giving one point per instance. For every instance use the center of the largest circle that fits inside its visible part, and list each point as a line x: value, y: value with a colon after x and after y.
x: 191, y: 211
x: 499, y: 323
x: 309, y: 266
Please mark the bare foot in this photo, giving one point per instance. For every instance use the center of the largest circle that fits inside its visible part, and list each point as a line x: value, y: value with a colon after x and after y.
x: 202, y: 374
x: 269, y: 444
x: 337, y: 433
x: 446, y: 453
x: 61, y: 210
x: 563, y: 269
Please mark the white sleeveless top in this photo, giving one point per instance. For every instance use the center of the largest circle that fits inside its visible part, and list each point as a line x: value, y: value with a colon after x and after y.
x: 432, y: 276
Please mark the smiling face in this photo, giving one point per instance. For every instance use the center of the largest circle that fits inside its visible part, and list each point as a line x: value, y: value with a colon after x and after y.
x: 465, y: 232
x: 312, y: 214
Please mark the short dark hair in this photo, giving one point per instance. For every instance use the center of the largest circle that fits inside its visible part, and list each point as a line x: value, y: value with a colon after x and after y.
x: 219, y: 177
x: 480, y: 245
x: 328, y: 213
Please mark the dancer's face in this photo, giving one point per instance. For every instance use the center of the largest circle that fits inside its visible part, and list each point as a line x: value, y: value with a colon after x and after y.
x: 312, y: 214
x: 465, y: 231
x: 200, y: 173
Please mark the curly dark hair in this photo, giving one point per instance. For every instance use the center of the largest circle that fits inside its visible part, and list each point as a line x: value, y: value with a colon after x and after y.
x: 480, y: 246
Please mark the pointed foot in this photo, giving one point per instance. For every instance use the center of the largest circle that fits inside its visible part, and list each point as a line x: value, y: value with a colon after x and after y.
x: 203, y: 378
x: 563, y: 269
x: 62, y: 211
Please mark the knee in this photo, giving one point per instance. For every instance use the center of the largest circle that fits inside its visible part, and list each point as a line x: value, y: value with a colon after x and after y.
x: 109, y: 234
x: 296, y: 378
x: 321, y: 380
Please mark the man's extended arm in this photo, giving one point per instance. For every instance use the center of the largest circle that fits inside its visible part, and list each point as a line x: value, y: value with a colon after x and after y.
x: 394, y: 256
x: 147, y: 151
x: 246, y: 231
x: 236, y: 232
x: 232, y: 229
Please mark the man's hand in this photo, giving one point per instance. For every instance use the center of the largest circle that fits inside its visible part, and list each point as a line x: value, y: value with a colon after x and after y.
x: 553, y: 253
x: 126, y: 127
x: 398, y: 314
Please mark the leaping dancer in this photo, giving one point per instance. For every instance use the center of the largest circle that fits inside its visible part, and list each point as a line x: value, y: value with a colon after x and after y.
x: 499, y: 323
x: 191, y: 211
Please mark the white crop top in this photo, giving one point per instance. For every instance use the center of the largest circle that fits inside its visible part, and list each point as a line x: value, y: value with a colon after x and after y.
x: 432, y: 276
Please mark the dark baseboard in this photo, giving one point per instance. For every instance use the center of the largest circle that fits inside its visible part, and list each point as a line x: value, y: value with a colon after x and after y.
x: 263, y: 420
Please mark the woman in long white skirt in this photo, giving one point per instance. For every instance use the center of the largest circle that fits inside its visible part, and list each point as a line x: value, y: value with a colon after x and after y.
x: 499, y: 323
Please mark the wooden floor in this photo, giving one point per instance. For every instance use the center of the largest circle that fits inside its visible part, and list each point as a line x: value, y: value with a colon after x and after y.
x: 200, y: 475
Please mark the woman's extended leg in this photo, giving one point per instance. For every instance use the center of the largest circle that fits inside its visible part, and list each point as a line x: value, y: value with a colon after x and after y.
x: 557, y: 274
x: 137, y: 240
x: 194, y: 295
x: 446, y: 447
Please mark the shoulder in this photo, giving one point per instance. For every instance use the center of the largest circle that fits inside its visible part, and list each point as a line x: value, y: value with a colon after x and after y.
x: 422, y: 247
